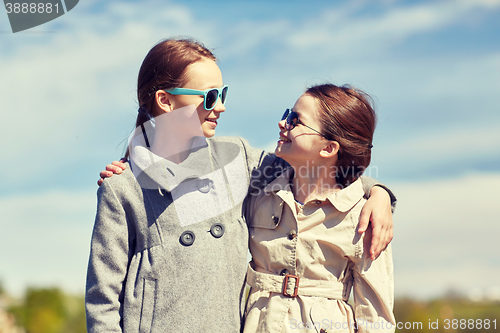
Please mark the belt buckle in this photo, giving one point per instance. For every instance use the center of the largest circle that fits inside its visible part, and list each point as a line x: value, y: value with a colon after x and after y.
x: 295, y: 289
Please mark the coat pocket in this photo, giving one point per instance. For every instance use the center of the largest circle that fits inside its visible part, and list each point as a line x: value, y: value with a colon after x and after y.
x: 334, y: 316
x: 148, y: 305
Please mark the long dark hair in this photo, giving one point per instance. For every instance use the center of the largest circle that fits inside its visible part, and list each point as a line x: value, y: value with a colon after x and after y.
x: 347, y: 116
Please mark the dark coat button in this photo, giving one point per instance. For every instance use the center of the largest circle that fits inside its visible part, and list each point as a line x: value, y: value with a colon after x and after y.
x: 217, y: 230
x: 292, y: 234
x: 187, y: 238
x: 284, y: 272
x: 275, y: 219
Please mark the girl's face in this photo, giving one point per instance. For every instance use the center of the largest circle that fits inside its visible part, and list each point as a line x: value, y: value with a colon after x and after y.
x: 301, y: 145
x: 202, y: 75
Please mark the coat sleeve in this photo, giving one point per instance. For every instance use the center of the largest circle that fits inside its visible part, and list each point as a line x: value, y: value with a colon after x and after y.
x: 110, y: 254
x: 263, y: 167
x: 369, y: 182
x: 373, y: 289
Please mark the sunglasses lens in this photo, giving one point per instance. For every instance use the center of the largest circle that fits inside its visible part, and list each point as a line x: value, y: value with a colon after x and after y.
x: 224, y: 94
x: 287, y: 111
x: 291, y: 121
x: 211, y: 99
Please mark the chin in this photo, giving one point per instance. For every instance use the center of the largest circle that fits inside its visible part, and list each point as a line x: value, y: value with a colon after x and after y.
x: 209, y: 134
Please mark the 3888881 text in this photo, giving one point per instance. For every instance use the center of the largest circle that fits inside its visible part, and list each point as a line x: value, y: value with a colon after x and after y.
x: 470, y: 324
x: 31, y: 8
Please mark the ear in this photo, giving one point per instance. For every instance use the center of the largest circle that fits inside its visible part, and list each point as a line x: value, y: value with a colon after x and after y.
x: 164, y: 100
x: 330, y: 150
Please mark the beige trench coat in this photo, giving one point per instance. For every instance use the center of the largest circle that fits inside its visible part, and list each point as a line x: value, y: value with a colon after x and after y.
x: 318, y: 243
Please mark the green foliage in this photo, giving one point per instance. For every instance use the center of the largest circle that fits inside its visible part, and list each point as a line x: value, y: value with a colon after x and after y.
x: 76, y: 322
x: 50, y: 311
x: 45, y: 312
x: 446, y: 315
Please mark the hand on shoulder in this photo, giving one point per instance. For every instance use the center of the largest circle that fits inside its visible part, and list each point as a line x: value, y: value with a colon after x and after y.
x: 117, y: 167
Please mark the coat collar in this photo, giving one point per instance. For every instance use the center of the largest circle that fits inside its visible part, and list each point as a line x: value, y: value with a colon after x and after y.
x: 166, y: 174
x: 349, y: 196
x: 342, y: 200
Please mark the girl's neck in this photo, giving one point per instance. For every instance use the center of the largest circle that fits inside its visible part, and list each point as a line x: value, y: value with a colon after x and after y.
x: 312, y: 181
x: 174, y: 134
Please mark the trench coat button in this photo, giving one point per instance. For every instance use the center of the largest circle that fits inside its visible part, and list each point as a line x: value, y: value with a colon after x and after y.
x: 187, y: 238
x: 217, y: 230
x: 284, y: 272
x: 275, y: 219
x: 292, y: 234
x: 204, y: 185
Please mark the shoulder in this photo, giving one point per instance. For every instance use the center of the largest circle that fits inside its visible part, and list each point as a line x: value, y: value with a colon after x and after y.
x: 237, y: 140
x: 120, y: 185
x: 228, y: 145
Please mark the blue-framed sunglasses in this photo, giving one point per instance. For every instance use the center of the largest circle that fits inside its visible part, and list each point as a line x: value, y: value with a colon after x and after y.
x: 210, y: 96
x: 292, y: 120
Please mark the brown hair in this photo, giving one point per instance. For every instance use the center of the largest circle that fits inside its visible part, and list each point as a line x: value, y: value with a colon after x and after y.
x: 165, y: 67
x: 347, y: 116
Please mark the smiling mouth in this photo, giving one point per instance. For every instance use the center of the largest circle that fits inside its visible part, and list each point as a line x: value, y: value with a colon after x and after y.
x: 212, y: 120
x: 284, y: 139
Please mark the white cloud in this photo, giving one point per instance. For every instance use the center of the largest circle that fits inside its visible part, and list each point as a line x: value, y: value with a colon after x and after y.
x: 247, y: 36
x: 457, y: 147
x: 79, y: 83
x: 445, y: 235
x: 45, y: 239
x: 339, y: 31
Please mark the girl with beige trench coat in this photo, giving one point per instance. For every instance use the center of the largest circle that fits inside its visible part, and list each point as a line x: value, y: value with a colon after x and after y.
x: 307, y: 255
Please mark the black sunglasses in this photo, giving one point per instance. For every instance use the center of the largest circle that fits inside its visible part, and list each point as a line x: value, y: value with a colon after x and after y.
x: 292, y: 120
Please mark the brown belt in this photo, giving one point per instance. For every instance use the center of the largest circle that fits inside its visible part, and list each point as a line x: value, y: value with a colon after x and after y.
x: 292, y: 285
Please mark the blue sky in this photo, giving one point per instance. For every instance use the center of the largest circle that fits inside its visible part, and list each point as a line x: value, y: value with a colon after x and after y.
x: 67, y: 105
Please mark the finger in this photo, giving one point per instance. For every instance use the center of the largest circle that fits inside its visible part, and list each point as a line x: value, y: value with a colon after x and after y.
x: 377, y: 238
x: 364, y: 220
x: 113, y: 168
x: 388, y: 239
x: 99, y: 182
x: 120, y: 165
x: 105, y: 174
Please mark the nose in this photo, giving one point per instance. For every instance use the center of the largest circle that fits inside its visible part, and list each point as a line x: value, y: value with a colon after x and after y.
x: 281, y: 124
x: 219, y: 107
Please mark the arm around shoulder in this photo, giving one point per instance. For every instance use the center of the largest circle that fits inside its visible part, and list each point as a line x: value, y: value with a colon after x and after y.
x: 377, y: 211
x: 371, y: 184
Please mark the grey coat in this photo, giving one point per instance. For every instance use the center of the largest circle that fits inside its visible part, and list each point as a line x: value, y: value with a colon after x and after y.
x: 170, y: 243
x: 143, y: 273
